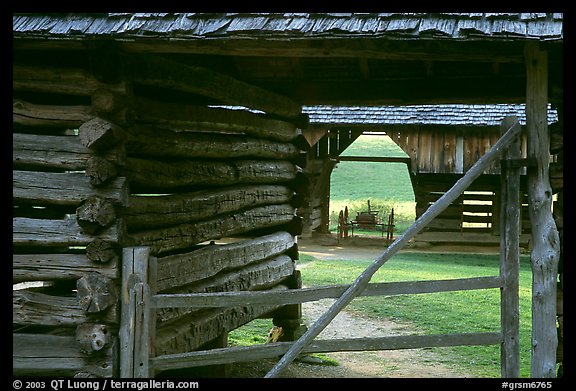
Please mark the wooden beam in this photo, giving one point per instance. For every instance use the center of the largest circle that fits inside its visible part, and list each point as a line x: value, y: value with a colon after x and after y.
x: 181, y: 269
x: 55, y: 152
x: 303, y: 295
x: 57, y: 267
x: 145, y: 212
x: 545, y: 239
x: 29, y: 114
x: 510, y: 258
x: 162, y: 72
x: 376, y: 159
x: 54, y: 188
x: 266, y: 274
x: 189, y: 234
x: 259, y: 352
x: 153, y: 142
x: 41, y: 232
x: 185, y: 117
x: 35, y: 308
x: 73, y: 81
x: 58, y: 356
x: 157, y: 174
x: 327, y: 47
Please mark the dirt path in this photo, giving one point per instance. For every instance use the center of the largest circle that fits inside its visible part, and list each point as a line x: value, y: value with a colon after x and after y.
x: 408, y: 363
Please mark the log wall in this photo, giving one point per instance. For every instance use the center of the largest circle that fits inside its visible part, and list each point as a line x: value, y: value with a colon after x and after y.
x: 102, y: 162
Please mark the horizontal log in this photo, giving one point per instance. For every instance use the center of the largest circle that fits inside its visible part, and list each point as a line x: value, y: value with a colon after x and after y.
x: 163, y: 174
x: 57, y: 267
x: 468, y: 218
x: 186, y: 235
x: 196, y: 329
x: 182, y: 269
x: 55, y: 152
x: 57, y: 356
x: 158, y: 71
x: 296, y: 296
x: 57, y: 188
x: 29, y: 114
x: 445, y: 225
x: 184, y: 117
x: 35, y: 308
x: 72, y: 81
x: 256, y: 276
x: 145, y: 212
x: 276, y: 349
x: 154, y: 142
x: 39, y: 232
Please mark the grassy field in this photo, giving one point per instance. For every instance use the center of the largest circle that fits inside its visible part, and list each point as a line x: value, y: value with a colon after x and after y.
x: 386, y: 185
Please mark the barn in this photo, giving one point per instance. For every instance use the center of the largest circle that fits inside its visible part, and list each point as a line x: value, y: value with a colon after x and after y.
x: 441, y: 143
x: 126, y: 146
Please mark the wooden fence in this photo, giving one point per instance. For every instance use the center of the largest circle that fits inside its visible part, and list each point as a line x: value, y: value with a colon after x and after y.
x: 139, y: 299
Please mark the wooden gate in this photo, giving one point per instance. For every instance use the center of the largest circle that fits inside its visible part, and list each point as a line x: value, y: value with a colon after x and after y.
x: 139, y: 299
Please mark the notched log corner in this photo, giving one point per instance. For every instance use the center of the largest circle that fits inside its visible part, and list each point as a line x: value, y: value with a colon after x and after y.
x: 92, y: 337
x: 96, y: 293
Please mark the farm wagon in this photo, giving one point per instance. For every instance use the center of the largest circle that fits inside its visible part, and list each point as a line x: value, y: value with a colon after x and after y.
x: 122, y: 140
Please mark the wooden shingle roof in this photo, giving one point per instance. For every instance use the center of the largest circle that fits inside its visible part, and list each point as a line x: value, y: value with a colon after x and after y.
x: 446, y: 114
x: 456, y: 26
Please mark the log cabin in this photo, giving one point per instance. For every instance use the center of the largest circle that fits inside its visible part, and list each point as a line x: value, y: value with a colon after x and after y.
x: 119, y: 141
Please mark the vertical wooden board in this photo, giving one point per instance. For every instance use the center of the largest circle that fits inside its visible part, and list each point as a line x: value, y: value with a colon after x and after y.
x: 406, y: 137
x: 471, y: 148
x: 449, y: 148
x: 134, y: 271
x: 459, y: 158
x: 437, y: 151
x: 424, y: 150
x: 509, y: 224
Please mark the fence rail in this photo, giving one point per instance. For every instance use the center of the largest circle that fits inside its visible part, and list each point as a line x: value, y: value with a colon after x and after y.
x: 276, y: 349
x: 297, y: 296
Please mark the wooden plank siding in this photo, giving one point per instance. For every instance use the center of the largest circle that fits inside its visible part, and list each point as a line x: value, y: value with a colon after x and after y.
x: 443, y: 154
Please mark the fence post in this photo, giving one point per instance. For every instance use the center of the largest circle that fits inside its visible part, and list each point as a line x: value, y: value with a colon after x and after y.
x: 510, y: 254
x: 135, y: 317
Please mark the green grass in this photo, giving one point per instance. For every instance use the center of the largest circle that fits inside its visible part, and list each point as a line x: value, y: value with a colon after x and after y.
x: 386, y: 185
x: 438, y: 313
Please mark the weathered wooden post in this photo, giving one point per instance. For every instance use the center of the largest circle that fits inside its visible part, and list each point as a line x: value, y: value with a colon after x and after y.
x: 545, y: 239
x: 510, y: 254
x: 136, y: 322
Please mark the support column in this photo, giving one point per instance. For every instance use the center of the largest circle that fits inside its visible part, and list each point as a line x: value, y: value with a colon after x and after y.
x: 509, y: 228
x: 545, y: 239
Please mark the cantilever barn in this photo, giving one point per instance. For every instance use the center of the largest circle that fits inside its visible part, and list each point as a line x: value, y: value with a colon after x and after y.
x: 124, y: 137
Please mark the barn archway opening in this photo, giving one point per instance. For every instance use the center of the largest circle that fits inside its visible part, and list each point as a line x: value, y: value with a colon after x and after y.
x: 372, y: 177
